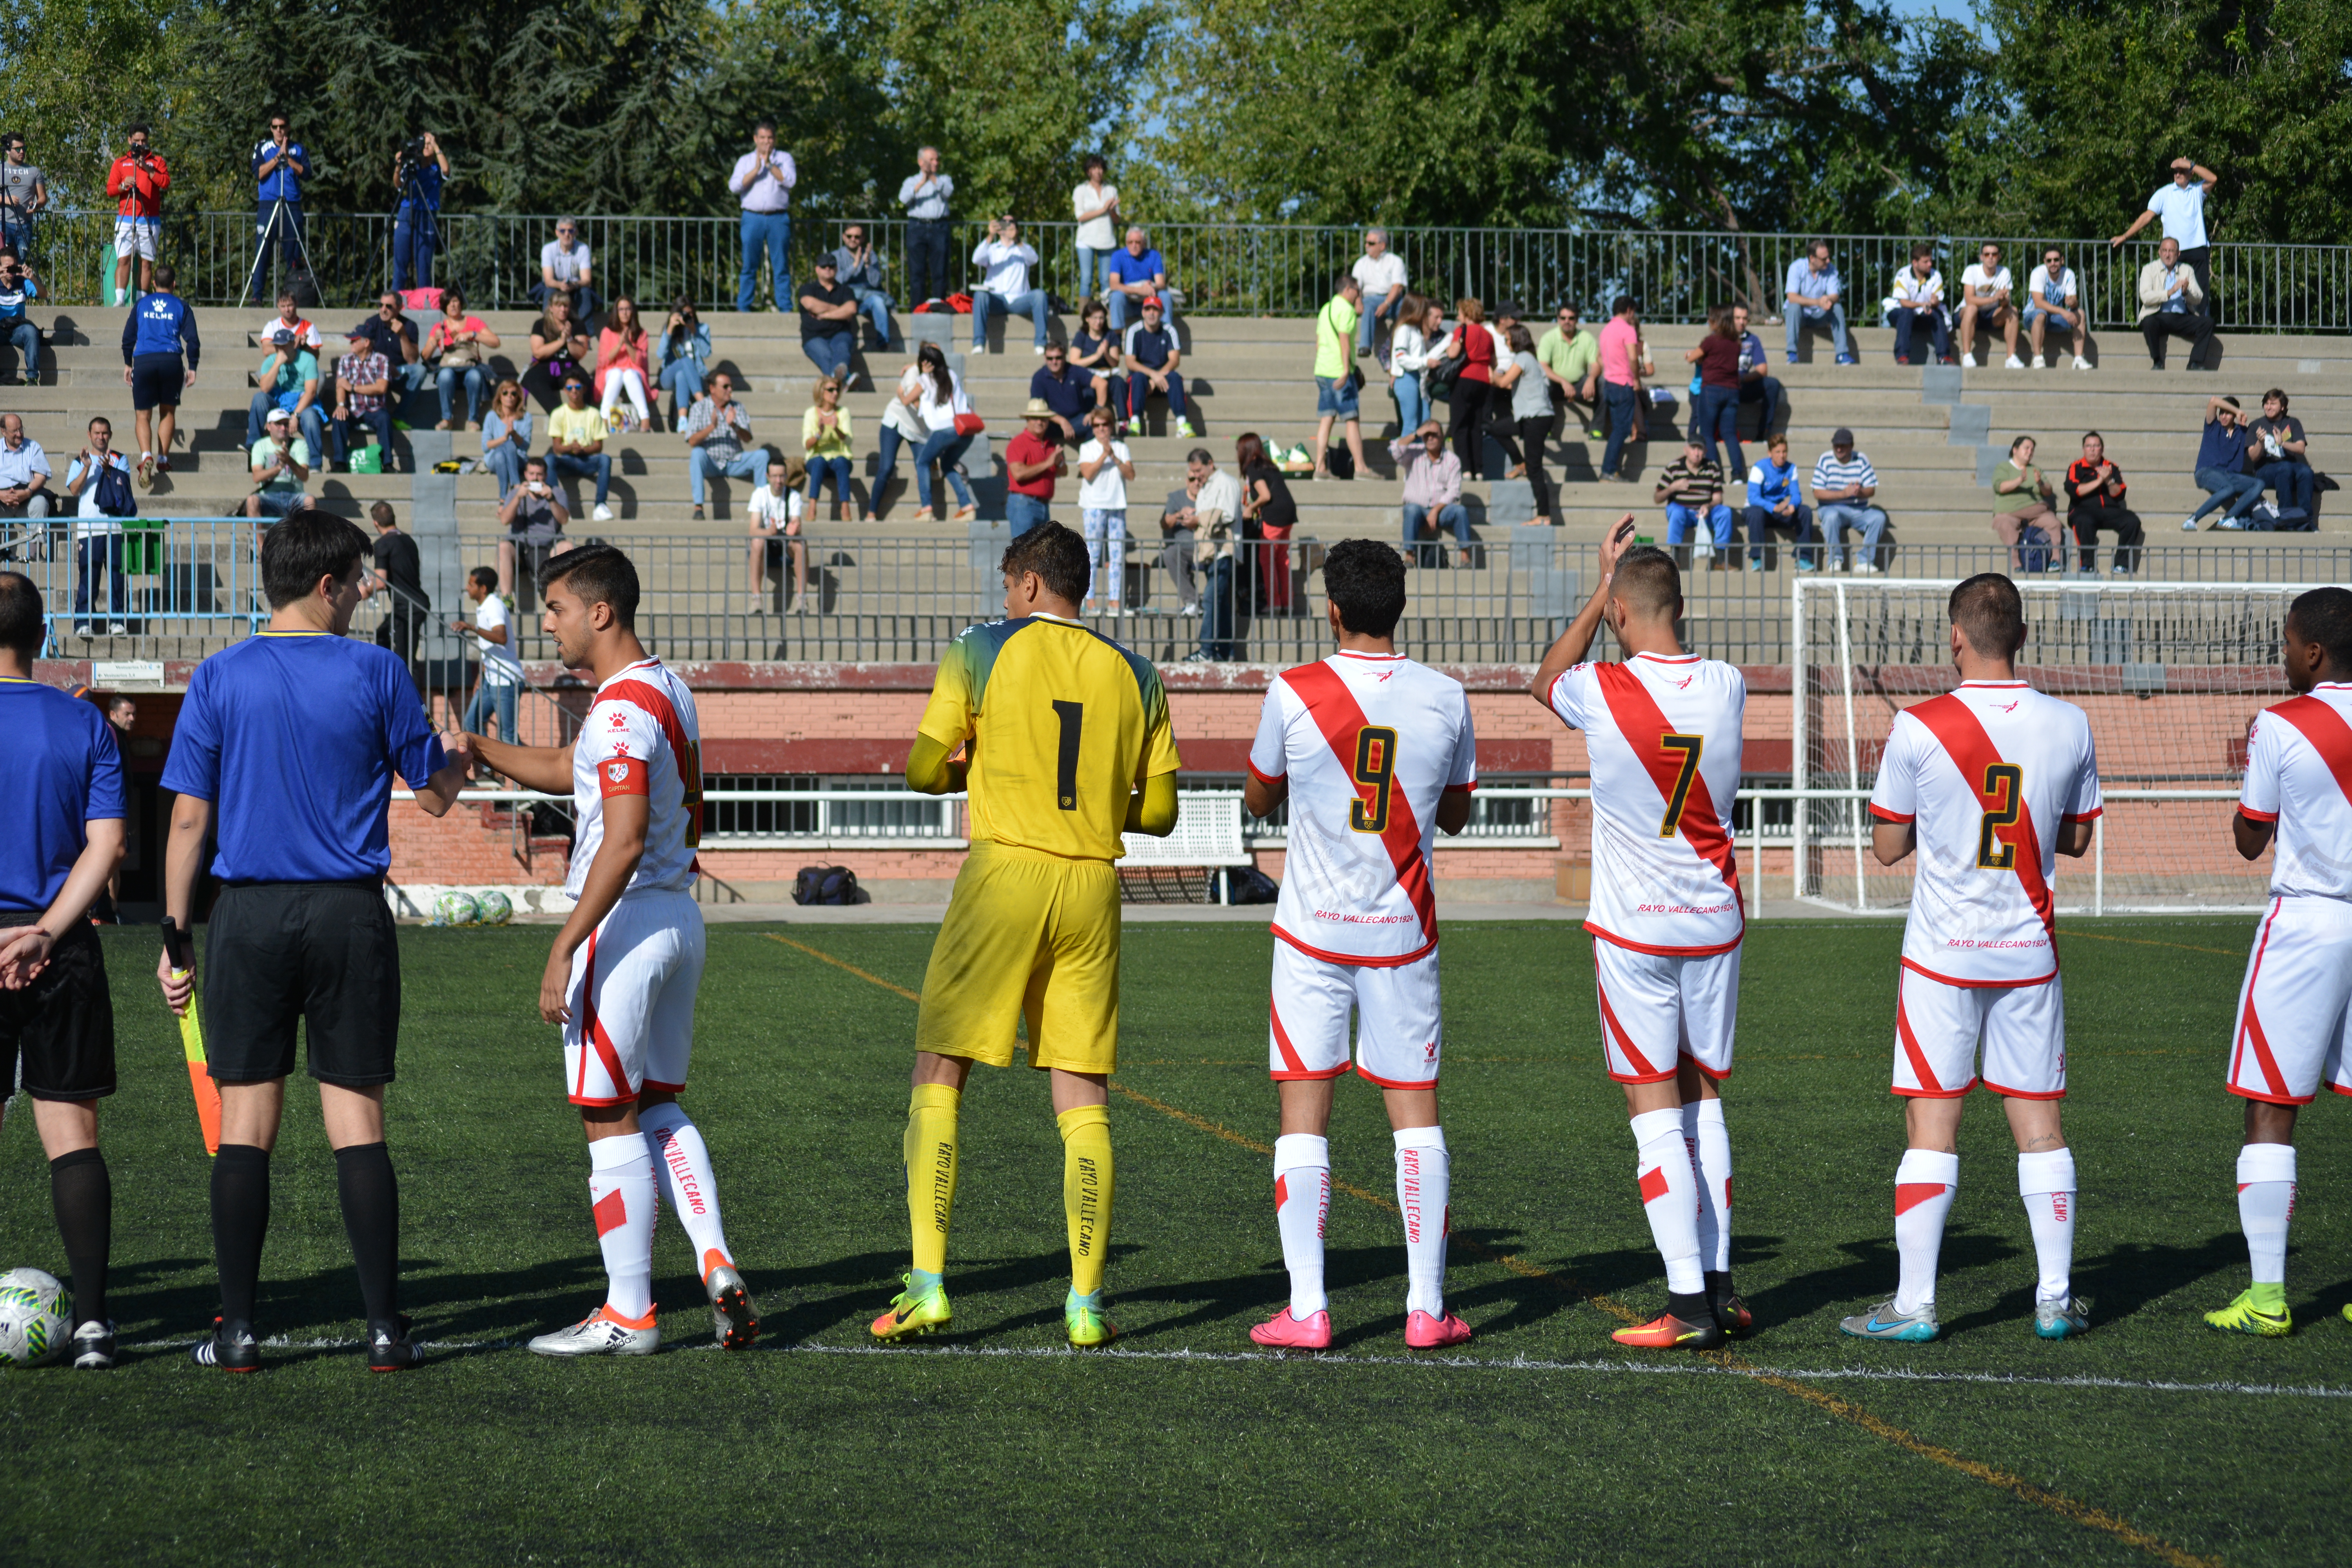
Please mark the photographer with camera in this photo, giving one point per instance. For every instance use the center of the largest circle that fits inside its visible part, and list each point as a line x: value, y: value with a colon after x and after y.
x: 417, y: 170
x: 18, y: 288
x: 137, y: 182
x: 280, y: 168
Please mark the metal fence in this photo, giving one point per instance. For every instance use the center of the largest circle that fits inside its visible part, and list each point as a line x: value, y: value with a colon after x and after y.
x: 1221, y: 268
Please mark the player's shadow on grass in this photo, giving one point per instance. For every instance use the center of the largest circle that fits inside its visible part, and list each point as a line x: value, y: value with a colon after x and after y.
x: 1869, y: 1276
x: 860, y: 1285
x: 2129, y: 1276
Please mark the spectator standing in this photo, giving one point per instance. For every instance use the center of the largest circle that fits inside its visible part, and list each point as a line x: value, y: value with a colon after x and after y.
x: 2026, y: 490
x: 1775, y: 503
x: 717, y: 436
x: 2279, y: 454
x: 1380, y: 278
x: 1717, y: 414
x: 2220, y: 470
x: 1691, y: 489
x: 1417, y: 340
x: 1105, y: 467
x: 949, y: 428
x: 362, y: 379
x: 1571, y: 356
x: 857, y: 266
x: 2095, y: 500
x: 137, y: 181
x: 506, y: 436
x: 1813, y: 292
x: 1217, y: 507
x: 398, y: 572
x: 499, y: 679
x: 2172, y: 305
x: 287, y: 379
x: 98, y: 484
x: 567, y: 266
x: 23, y: 193
x: 1138, y: 276
x: 576, y: 434
x: 559, y: 347
x: 1150, y: 358
x: 1433, y: 492
x: 1621, y: 383
x: 1094, y: 206
x: 1007, y: 267
x: 1094, y: 348
x: 416, y: 184
x: 394, y: 335
x: 2053, y: 293
x: 1335, y: 380
x: 1068, y: 391
x: 623, y: 364
x: 776, y: 512
x: 458, y: 350
x: 1919, y: 302
x: 1265, y: 500
x: 280, y: 168
x: 154, y: 335
x: 1843, y: 485
x: 1032, y: 460
x: 2181, y: 206
x: 681, y: 357
x: 279, y: 464
x: 762, y: 181
x: 925, y: 195
x: 900, y: 427
x: 1986, y: 289
x: 1523, y: 378
x: 18, y: 288
x: 1474, y: 383
x: 1756, y: 385
x: 828, y: 320
x: 828, y: 443
x: 534, y: 515
x: 24, y: 474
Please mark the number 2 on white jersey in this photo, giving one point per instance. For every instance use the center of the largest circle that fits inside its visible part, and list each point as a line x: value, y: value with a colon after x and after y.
x: 2003, y: 783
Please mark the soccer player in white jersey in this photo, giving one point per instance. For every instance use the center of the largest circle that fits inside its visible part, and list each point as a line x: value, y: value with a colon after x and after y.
x: 1663, y: 736
x: 1375, y: 754
x: 1990, y: 784
x: 621, y: 978
x: 2294, y: 1012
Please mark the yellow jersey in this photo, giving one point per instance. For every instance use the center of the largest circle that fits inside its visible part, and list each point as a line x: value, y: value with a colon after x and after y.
x: 1061, y: 726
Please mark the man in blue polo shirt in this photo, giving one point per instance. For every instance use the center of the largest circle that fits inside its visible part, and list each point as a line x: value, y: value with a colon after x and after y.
x: 62, y: 778
x: 280, y: 168
x: 287, y: 749
x: 1134, y: 273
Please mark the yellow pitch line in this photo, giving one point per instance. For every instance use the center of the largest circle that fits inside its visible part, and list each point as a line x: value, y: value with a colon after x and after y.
x: 2066, y: 1508
x: 2072, y: 934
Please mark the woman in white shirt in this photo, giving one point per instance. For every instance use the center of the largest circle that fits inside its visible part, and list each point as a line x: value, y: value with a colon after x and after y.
x: 934, y: 397
x: 1105, y: 465
x: 776, y: 510
x: 1096, y: 206
x: 1417, y: 340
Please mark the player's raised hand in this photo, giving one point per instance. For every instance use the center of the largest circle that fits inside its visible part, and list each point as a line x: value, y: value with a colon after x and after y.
x: 1614, y: 541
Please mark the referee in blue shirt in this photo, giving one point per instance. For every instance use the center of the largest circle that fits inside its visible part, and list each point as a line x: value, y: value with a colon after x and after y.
x: 62, y: 779
x: 285, y: 752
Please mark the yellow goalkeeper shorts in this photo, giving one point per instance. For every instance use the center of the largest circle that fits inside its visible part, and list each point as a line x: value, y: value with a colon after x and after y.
x: 1026, y: 935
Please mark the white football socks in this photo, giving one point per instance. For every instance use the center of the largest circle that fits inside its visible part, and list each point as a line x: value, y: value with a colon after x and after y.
x: 2265, y: 1204
x: 1425, y: 1182
x: 682, y: 1161
x: 1925, y: 1184
x: 1302, y: 1200
x: 2046, y: 1183
x: 621, y: 1191
x: 1670, y: 1196
x: 1709, y: 1142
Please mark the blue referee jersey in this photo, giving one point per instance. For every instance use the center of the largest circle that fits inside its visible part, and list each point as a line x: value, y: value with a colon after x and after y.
x: 59, y: 770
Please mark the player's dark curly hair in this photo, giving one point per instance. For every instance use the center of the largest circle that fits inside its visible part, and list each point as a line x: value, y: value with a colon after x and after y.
x: 1990, y: 613
x: 1365, y: 579
x: 2323, y: 615
x: 1057, y: 555
x: 21, y: 631
x: 1647, y: 580
x: 304, y: 546
x: 600, y: 575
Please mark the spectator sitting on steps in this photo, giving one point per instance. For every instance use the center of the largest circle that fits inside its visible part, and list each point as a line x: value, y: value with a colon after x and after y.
x: 559, y: 347
x: 858, y: 268
x: 2172, y: 305
x: 1812, y: 290
x: 1691, y: 489
x: 1433, y: 492
x: 1069, y: 391
x: 717, y: 436
x: 828, y: 320
x: 2220, y: 470
x: 775, y: 511
x: 2095, y: 500
x: 1919, y: 302
x: 623, y: 364
x: 1776, y: 504
x: 280, y: 463
x: 2279, y: 456
x: 576, y: 434
x: 25, y: 472
x: 1570, y: 356
x: 681, y: 357
x: 2054, y: 294
x: 1137, y: 275
x: 2026, y: 491
x: 565, y: 267
x: 1843, y: 484
x: 1150, y: 358
x: 363, y: 379
x: 1007, y: 267
x: 288, y: 378
x: 1986, y: 288
x: 18, y: 288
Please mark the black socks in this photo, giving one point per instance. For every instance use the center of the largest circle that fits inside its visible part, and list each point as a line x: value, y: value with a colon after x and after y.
x: 240, y: 1224
x: 370, y: 1196
x: 83, y: 1195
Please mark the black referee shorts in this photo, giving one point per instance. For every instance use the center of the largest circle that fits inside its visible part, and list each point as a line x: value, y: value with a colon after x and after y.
x: 157, y: 381
x: 56, y: 1035
x: 325, y: 953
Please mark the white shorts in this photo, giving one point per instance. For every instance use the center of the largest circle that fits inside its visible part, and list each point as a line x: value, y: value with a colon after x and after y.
x: 1398, y: 1034
x: 1938, y: 1027
x: 632, y: 1000
x: 2295, y: 1011
x: 138, y: 237
x: 1657, y: 1008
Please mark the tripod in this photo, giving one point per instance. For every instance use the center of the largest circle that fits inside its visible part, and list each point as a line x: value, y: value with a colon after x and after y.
x: 270, y: 239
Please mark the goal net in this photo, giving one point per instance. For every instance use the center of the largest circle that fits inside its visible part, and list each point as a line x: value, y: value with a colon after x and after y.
x: 2171, y: 674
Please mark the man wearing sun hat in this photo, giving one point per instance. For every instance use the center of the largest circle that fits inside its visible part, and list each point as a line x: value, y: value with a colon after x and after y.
x: 1032, y: 459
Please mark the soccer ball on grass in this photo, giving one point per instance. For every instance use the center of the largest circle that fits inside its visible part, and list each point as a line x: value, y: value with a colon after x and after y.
x: 494, y: 908
x: 35, y: 1324
x: 456, y: 908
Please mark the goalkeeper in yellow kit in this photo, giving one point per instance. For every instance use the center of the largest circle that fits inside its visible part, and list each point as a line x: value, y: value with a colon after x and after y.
x: 1067, y: 745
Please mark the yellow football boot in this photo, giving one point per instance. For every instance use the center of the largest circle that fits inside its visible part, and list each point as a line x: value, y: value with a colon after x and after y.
x: 2243, y: 1317
x: 919, y: 1308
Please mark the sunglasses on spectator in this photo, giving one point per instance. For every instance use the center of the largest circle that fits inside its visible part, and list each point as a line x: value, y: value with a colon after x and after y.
x: 277, y: 125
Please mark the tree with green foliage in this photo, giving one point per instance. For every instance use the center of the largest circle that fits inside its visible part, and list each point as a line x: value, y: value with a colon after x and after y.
x: 82, y: 70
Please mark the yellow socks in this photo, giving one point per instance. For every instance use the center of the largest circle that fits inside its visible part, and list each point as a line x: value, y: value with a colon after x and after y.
x: 930, y: 1150
x: 1086, y: 1193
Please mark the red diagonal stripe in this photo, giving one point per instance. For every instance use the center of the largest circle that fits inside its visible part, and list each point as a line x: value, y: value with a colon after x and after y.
x: 612, y: 1212
x: 1909, y: 1196
x: 1653, y: 1184
x: 1338, y: 716
x: 1964, y: 740
x: 2262, y: 1057
x: 592, y: 1027
x: 1624, y: 1041
x: 1281, y: 1193
x: 2328, y: 735
x: 2238, y: 1045
x: 1644, y: 724
x: 1911, y: 1045
x: 1282, y: 1039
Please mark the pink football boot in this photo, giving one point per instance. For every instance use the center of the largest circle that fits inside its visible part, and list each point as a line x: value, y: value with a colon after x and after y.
x: 1284, y: 1332
x: 1424, y: 1332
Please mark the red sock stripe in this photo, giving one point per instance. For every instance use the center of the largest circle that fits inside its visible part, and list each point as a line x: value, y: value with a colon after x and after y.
x: 1653, y: 1184
x: 612, y: 1212
x: 1909, y: 1196
x: 1281, y: 1192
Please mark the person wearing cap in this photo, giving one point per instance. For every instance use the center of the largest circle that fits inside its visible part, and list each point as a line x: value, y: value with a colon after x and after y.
x: 1843, y: 482
x: 1433, y: 490
x: 362, y: 378
x: 828, y: 318
x: 1149, y: 355
x: 1006, y: 267
x: 280, y: 463
x: 287, y: 379
x: 1032, y: 460
x: 576, y: 434
x: 1691, y: 489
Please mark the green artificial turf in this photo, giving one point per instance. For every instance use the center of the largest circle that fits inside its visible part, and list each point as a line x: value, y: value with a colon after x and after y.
x: 1541, y: 1441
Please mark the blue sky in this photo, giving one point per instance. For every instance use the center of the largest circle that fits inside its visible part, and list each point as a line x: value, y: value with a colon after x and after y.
x: 1952, y: 10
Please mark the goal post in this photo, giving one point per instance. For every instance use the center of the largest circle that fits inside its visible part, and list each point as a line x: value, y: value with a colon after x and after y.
x: 2171, y: 675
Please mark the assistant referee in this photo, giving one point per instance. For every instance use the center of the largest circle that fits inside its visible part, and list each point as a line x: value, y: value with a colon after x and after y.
x: 62, y: 778
x: 286, y: 752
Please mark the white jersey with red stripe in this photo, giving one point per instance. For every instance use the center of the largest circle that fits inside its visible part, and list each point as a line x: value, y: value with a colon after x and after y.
x: 641, y: 737
x: 1988, y: 775
x: 2299, y: 776
x: 1369, y: 743
x: 1662, y: 733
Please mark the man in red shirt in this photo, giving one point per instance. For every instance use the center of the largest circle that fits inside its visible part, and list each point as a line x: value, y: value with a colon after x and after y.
x: 137, y: 182
x: 1031, y: 459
